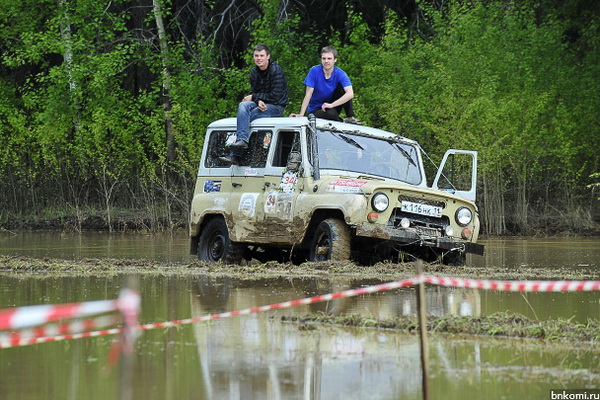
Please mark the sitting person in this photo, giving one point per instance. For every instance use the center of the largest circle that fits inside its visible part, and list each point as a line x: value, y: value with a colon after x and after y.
x: 268, y: 98
x: 328, y: 90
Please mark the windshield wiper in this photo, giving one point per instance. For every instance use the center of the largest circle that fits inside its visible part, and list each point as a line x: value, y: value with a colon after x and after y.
x: 404, y: 153
x: 347, y: 140
x: 375, y: 178
x: 351, y: 141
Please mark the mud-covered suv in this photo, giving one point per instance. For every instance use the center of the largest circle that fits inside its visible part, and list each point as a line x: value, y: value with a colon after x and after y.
x: 312, y: 189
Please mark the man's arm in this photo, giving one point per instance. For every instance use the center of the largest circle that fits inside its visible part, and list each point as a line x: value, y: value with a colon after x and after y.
x: 307, y: 96
x: 348, y: 95
x: 278, y: 87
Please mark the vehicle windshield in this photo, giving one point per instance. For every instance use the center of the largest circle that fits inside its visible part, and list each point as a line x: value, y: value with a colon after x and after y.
x: 369, y: 156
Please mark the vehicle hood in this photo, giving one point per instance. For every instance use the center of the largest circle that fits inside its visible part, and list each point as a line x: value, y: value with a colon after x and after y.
x: 368, y: 186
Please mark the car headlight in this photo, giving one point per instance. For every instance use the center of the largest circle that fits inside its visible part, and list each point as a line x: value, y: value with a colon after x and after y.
x: 380, y: 202
x: 463, y: 216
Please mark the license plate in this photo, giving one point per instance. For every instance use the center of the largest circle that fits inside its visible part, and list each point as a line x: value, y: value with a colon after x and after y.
x: 421, y: 209
x: 429, y: 231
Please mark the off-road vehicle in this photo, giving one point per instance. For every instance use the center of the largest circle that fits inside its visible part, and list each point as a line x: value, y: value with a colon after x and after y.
x: 312, y: 189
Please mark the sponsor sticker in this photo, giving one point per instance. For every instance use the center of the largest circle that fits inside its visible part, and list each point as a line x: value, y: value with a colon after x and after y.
x: 231, y: 139
x: 211, y: 186
x: 288, y: 182
x: 279, y: 205
x: 345, y: 186
x: 248, y: 204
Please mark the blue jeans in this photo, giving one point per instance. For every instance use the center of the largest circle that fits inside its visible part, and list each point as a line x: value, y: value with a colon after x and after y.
x: 248, y: 111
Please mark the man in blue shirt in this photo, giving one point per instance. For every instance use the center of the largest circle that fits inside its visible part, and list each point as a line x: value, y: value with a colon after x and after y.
x: 328, y: 90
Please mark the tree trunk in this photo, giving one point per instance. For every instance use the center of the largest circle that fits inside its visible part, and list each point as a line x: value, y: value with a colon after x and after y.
x: 493, y: 204
x: 65, y: 34
x: 166, y: 84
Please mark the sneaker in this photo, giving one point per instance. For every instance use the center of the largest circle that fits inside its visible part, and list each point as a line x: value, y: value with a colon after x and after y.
x: 239, y: 145
x: 352, y: 120
x: 230, y: 160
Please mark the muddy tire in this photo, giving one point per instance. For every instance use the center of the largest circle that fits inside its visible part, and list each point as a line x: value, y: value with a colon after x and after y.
x: 215, y: 245
x: 331, y: 242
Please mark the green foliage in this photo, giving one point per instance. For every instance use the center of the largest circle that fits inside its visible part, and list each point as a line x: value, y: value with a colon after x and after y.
x: 496, y: 80
x: 295, y: 50
x: 82, y: 119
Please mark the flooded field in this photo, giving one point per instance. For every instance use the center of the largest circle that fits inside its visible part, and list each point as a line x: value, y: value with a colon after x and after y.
x: 258, y: 356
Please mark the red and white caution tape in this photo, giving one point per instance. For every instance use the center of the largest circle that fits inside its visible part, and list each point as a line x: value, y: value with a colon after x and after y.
x: 510, y: 286
x: 30, y: 316
x: 26, y: 324
x: 59, y: 338
x: 514, y: 286
x: 26, y: 336
x: 309, y: 300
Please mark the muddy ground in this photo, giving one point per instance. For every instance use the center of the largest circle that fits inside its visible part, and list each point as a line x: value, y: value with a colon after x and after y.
x: 27, y: 267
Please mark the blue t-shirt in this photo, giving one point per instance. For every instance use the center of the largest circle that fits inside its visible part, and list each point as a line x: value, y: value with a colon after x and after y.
x: 324, y: 88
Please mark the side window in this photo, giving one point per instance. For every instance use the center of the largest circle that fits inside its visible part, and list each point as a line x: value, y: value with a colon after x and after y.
x: 255, y: 156
x: 287, y: 141
x: 258, y: 149
x: 457, y: 173
x: 216, y: 149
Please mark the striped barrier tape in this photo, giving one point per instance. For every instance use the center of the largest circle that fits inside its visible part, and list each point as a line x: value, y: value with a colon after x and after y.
x: 30, y: 316
x: 14, y: 338
x: 35, y: 324
x: 512, y: 286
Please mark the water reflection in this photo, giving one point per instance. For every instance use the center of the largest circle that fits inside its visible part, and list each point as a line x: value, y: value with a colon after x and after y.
x: 73, y: 246
x: 569, y: 252
x: 258, y: 356
x: 220, y: 294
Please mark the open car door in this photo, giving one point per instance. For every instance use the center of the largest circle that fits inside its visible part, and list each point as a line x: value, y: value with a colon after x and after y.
x: 458, y: 174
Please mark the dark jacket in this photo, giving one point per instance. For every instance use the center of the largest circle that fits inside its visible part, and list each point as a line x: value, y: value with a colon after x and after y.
x: 269, y: 85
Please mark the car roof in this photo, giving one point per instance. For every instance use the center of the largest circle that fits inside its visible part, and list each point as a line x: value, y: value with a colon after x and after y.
x: 298, y: 122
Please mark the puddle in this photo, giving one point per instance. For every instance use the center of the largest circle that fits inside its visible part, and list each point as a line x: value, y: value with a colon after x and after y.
x: 258, y: 356
x: 499, y: 252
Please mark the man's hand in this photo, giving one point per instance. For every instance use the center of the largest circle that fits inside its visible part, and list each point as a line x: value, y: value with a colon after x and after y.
x: 325, y: 106
x: 247, y: 98
x: 262, y: 106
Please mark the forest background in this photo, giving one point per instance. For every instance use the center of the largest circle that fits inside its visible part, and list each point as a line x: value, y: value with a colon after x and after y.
x: 104, y: 103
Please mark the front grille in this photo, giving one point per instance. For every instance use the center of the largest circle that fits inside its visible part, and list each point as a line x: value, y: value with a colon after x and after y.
x: 420, y: 221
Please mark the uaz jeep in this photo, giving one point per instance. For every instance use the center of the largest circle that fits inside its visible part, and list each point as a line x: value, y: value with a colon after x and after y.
x: 312, y: 189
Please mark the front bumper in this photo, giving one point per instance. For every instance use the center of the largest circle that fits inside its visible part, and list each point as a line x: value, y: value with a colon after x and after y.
x: 412, y: 236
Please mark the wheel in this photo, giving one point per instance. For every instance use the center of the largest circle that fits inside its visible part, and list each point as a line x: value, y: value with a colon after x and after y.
x: 331, y: 241
x: 215, y: 245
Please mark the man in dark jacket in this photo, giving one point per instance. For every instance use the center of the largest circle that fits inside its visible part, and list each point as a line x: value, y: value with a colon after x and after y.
x: 268, y: 98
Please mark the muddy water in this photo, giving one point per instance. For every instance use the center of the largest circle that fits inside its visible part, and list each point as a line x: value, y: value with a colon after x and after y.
x: 512, y: 252
x: 259, y: 357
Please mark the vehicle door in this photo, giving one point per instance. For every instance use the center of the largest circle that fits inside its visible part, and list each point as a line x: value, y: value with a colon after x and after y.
x: 214, y: 177
x: 458, y: 174
x: 283, y: 184
x: 248, y: 186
